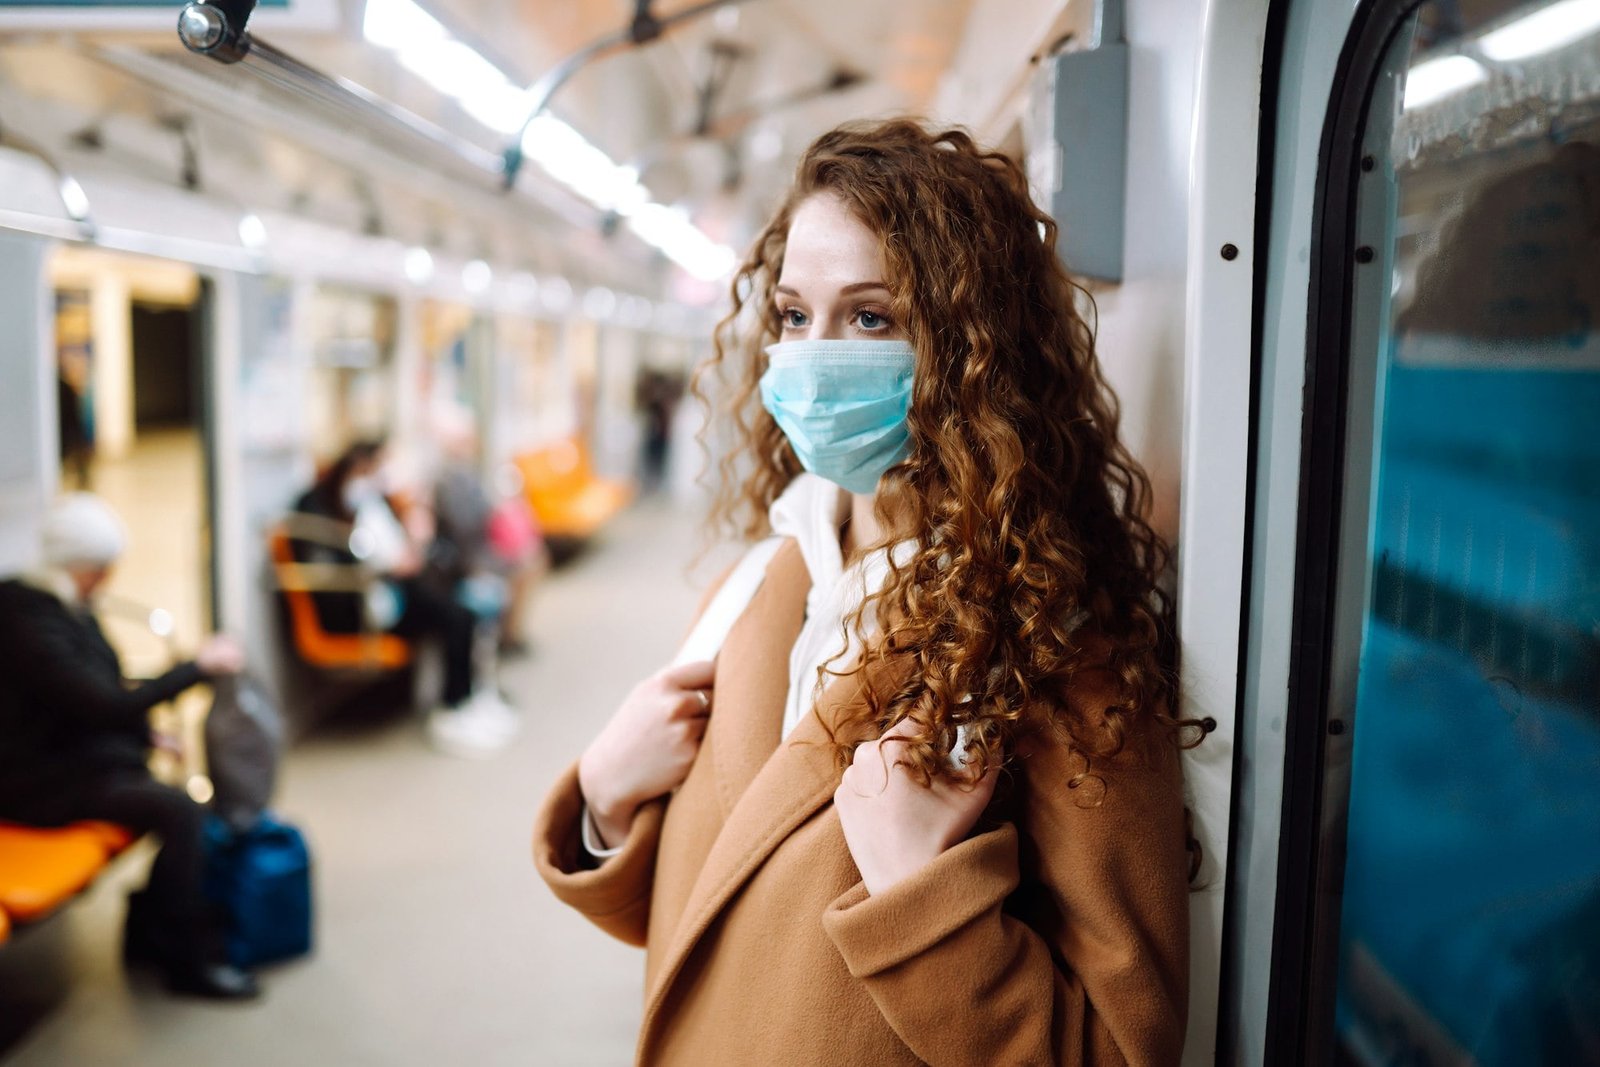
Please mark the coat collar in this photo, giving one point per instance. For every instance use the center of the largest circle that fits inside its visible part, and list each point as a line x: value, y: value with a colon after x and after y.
x: 57, y: 583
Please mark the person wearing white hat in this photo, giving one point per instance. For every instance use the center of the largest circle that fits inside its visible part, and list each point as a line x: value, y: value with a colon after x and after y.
x: 74, y: 737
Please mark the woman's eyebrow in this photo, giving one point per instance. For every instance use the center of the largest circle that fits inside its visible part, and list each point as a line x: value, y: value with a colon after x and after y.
x: 856, y: 287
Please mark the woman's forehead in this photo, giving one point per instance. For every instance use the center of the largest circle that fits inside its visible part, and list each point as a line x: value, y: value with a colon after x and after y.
x: 829, y: 247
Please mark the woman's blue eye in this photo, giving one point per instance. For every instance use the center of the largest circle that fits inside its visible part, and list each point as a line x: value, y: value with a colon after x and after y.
x: 794, y: 318
x: 871, y: 320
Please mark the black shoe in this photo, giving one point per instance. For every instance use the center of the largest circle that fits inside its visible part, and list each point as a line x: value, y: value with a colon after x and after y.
x: 145, y: 939
x: 215, y: 981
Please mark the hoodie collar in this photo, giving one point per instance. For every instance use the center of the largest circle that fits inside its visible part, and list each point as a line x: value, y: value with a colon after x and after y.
x: 56, y: 582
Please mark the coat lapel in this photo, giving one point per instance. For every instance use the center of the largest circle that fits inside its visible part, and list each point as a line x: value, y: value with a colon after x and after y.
x: 753, y: 677
x: 791, y: 785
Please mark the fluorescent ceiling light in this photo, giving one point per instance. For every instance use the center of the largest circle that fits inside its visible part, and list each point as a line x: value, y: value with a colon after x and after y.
x: 451, y: 67
x: 599, y: 303
x: 423, y: 46
x: 1544, y: 30
x: 418, y: 265
x: 476, y: 276
x: 670, y: 230
x: 399, y: 24
x: 569, y: 158
x: 1438, y: 78
x: 73, y: 198
x: 252, y: 232
x: 556, y: 294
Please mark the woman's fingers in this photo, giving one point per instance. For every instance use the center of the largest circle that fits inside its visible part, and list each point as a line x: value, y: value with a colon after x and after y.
x: 868, y: 773
x: 688, y: 704
x: 688, y: 685
x: 697, y: 675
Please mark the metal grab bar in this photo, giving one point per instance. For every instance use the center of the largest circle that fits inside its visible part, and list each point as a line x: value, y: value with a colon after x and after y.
x: 218, y: 29
x: 644, y: 28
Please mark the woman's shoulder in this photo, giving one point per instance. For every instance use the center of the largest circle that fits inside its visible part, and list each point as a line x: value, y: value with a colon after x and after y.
x: 1089, y: 731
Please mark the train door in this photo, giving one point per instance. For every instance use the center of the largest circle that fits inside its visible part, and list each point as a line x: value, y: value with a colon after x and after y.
x: 533, y: 408
x: 456, y: 378
x: 131, y: 391
x: 1436, y: 877
x: 617, y: 421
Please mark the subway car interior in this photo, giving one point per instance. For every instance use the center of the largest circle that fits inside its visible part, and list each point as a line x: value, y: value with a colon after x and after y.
x: 373, y: 353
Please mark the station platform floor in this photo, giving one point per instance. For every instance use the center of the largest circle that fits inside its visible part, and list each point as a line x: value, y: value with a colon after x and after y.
x: 436, y: 943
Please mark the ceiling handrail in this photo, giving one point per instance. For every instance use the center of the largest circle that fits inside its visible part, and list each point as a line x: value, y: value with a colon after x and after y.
x: 219, y: 30
x: 641, y: 30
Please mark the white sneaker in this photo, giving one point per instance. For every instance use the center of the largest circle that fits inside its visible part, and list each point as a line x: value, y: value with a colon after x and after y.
x: 497, y: 716
x: 464, y: 731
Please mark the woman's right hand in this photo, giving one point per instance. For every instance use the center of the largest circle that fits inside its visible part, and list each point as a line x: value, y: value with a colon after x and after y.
x: 647, y: 747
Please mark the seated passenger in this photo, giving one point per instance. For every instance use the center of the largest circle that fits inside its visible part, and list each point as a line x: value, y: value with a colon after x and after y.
x: 467, y: 723
x: 74, y: 735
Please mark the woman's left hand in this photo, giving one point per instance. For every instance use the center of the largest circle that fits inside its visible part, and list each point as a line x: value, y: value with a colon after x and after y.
x: 894, y: 825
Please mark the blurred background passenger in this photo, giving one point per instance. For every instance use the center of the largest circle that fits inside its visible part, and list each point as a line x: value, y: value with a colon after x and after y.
x: 75, y: 736
x: 471, y: 719
x: 480, y: 542
x: 656, y: 397
x: 76, y: 441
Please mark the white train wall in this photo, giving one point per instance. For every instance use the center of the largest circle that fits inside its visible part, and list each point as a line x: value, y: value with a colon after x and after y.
x: 1173, y: 335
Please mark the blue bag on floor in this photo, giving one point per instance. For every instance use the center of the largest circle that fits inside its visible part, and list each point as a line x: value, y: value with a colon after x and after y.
x: 260, y: 881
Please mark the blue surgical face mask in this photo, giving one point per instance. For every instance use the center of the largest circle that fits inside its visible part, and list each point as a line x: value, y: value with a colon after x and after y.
x: 842, y: 404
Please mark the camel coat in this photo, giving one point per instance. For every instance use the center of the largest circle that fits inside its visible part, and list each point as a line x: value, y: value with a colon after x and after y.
x: 1057, y: 933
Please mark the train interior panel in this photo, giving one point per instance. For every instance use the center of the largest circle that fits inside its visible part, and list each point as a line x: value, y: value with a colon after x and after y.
x: 391, y: 391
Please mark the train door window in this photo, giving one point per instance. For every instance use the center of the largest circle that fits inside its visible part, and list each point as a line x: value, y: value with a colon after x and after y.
x: 353, y: 388
x: 535, y: 407
x: 1453, y: 682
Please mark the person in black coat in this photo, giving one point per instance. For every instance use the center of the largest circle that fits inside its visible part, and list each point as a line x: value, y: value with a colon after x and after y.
x: 74, y: 736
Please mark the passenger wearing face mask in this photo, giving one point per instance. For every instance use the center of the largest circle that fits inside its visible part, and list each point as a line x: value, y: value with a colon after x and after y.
x: 911, y: 792
x: 470, y: 720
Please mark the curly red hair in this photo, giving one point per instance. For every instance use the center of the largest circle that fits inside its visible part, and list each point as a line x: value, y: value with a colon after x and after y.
x: 1027, y: 513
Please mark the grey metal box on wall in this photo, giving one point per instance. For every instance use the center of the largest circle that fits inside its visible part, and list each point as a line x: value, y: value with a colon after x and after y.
x: 1078, y: 154
x: 27, y: 398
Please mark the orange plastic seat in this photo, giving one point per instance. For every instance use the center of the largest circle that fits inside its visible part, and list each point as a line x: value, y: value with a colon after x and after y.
x: 318, y: 647
x: 42, y: 869
x: 570, y: 500
x: 115, y: 838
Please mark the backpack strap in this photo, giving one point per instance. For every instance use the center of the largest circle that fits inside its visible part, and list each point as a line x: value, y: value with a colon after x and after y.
x: 714, y: 624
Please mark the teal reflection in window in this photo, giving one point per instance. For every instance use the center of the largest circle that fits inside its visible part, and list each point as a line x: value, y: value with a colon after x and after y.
x: 1470, y: 927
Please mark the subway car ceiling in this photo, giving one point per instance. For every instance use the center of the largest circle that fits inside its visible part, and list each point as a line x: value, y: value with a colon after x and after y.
x: 702, y: 124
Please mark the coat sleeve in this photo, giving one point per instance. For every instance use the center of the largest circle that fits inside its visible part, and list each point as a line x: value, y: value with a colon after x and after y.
x: 615, y: 894
x: 1060, y: 938
x: 48, y: 657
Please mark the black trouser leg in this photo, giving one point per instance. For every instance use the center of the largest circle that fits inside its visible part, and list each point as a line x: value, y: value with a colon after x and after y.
x: 173, y: 896
x: 429, y: 613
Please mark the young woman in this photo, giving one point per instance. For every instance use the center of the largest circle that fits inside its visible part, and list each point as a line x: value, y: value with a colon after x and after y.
x: 926, y: 804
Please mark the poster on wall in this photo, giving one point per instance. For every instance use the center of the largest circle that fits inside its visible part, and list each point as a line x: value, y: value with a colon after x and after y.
x: 157, y: 15
x: 271, y: 378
